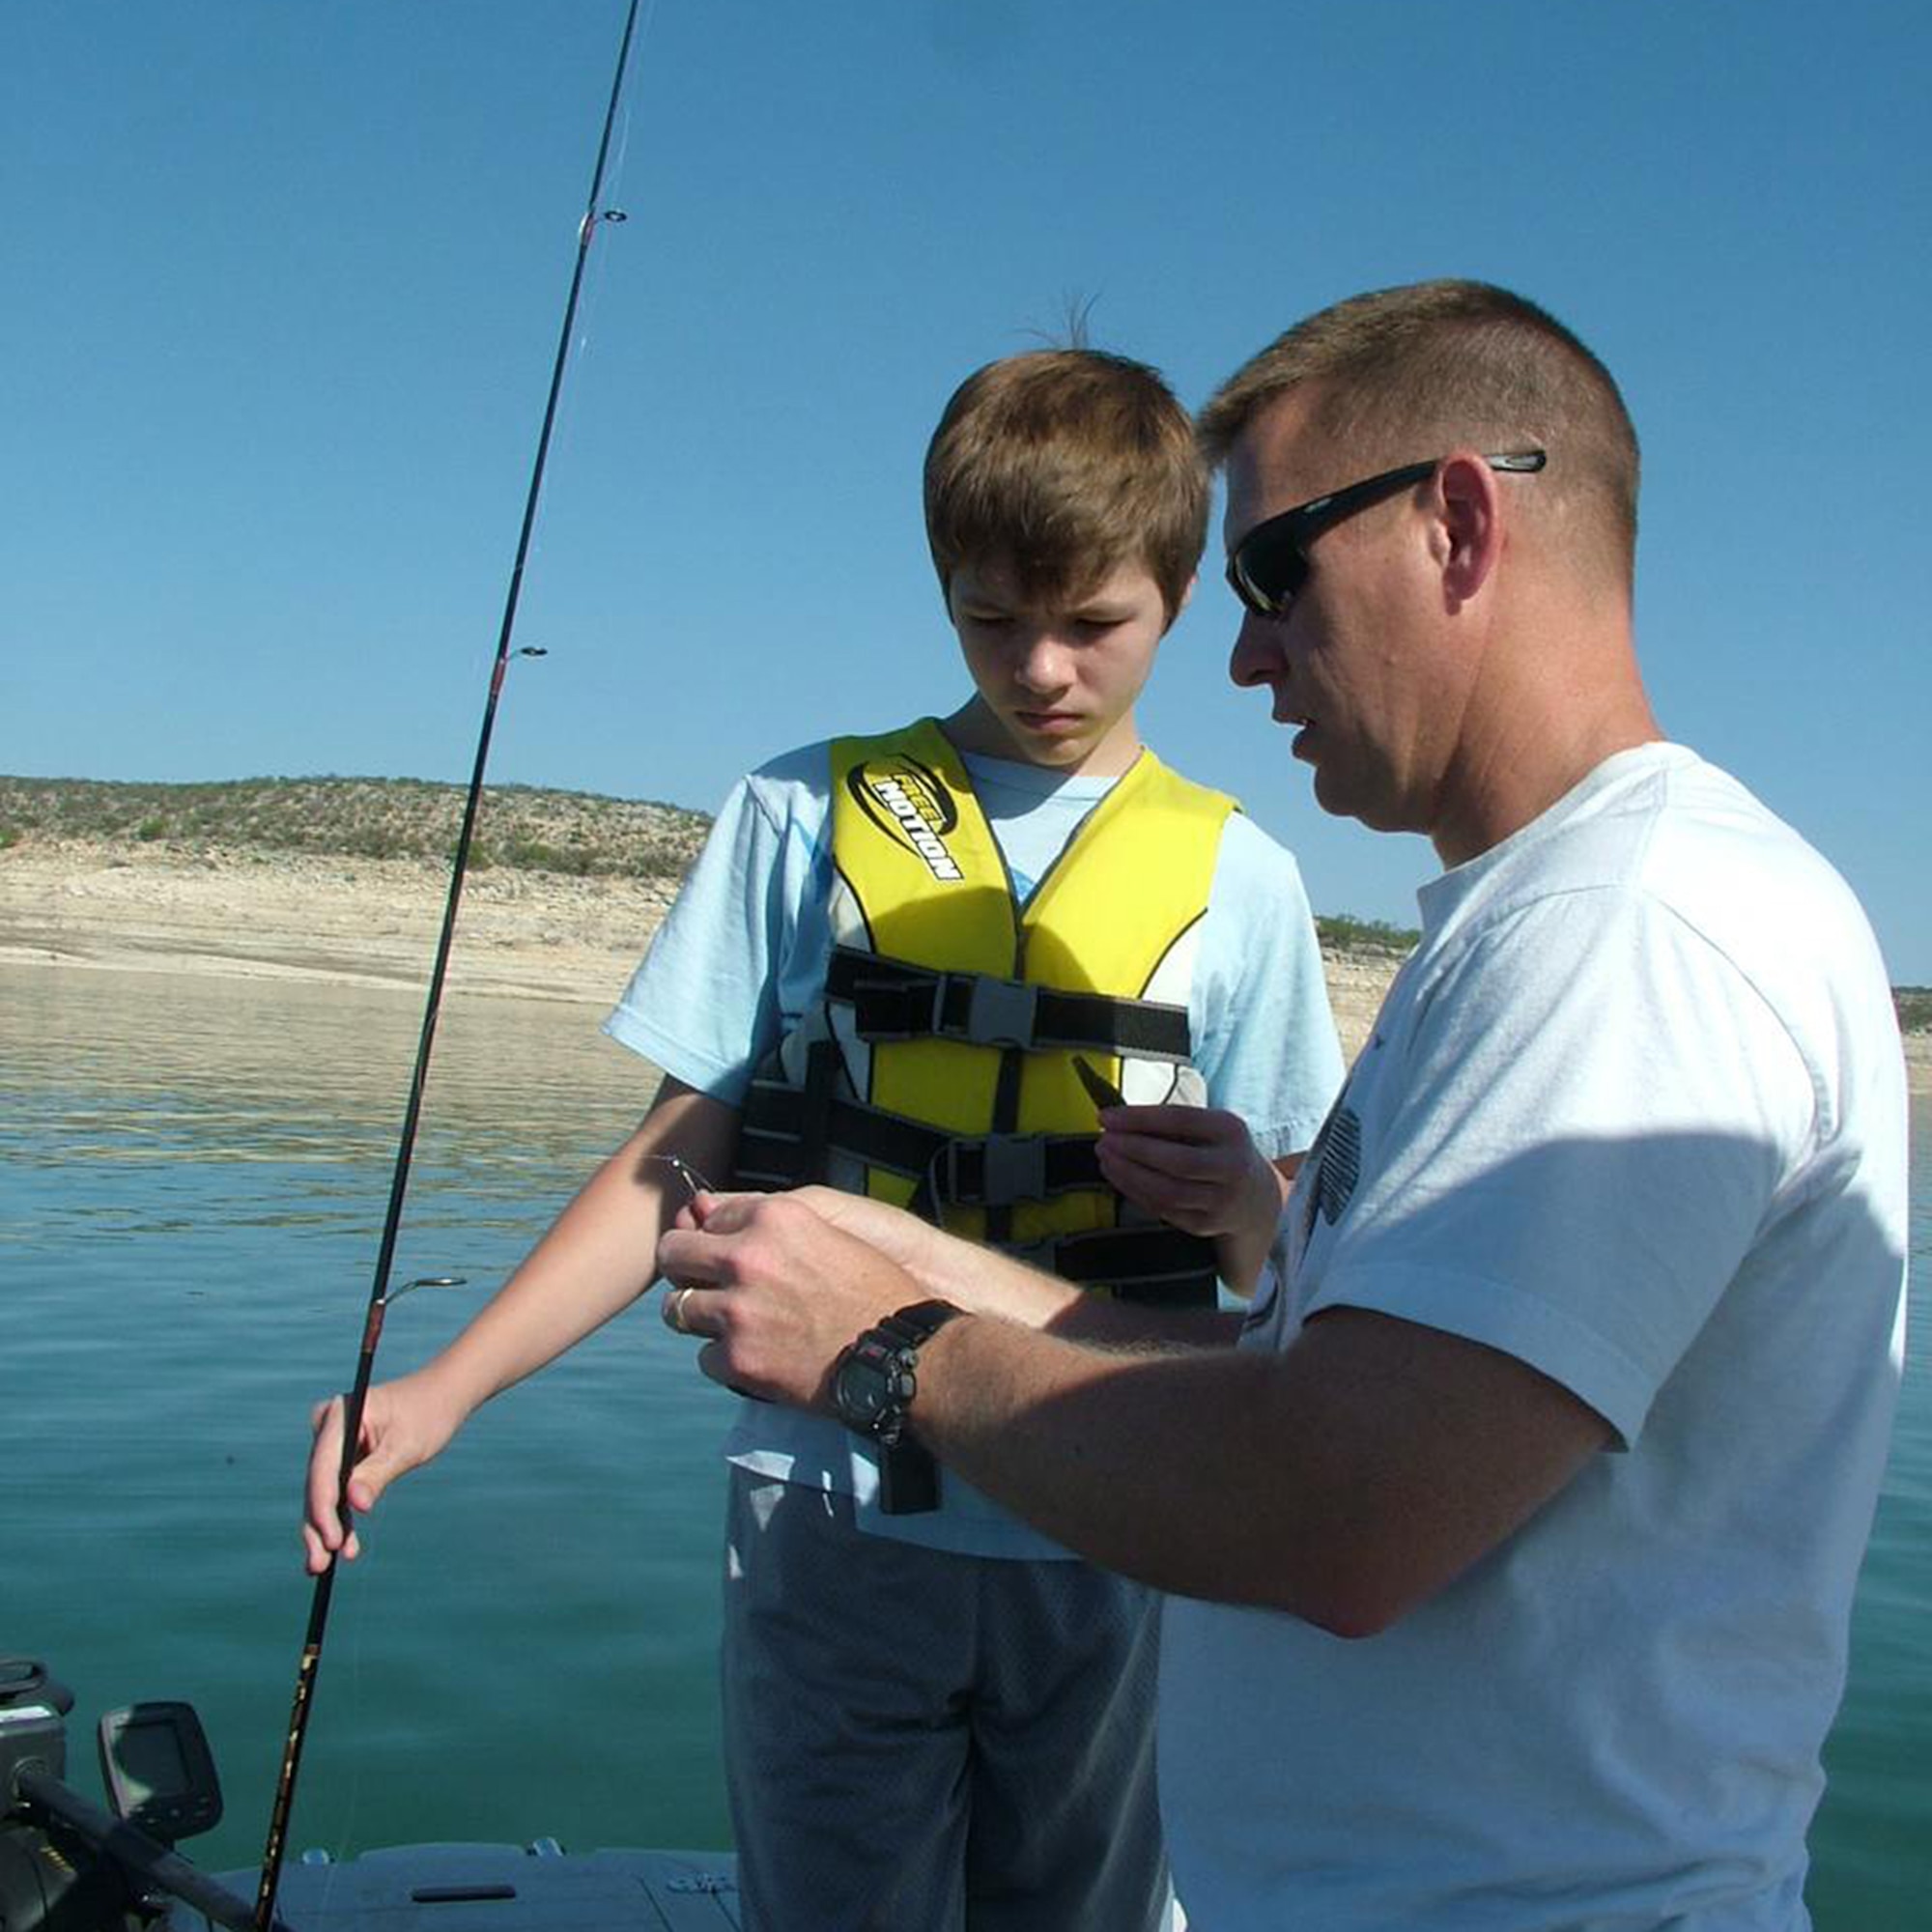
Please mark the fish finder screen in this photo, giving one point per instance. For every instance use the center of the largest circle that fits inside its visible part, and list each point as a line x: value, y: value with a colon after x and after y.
x: 158, y: 1771
x: 150, y: 1760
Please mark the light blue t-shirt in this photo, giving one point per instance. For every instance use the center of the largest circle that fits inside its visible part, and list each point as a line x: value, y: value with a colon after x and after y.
x: 1633, y: 1114
x: 741, y: 959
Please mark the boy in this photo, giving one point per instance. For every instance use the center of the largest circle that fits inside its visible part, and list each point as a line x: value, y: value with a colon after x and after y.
x: 882, y: 972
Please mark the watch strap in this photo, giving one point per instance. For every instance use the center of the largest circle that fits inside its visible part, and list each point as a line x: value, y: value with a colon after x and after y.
x: 909, y: 1474
x: 918, y: 1323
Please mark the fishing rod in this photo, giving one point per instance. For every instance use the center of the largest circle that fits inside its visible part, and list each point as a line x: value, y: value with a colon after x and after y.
x: 379, y: 1294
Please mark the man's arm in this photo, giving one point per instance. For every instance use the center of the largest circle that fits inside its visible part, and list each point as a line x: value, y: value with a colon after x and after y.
x: 595, y: 1261
x: 1343, y: 1480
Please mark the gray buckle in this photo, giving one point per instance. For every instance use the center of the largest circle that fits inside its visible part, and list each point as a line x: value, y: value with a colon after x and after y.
x: 999, y: 1012
x: 1016, y: 1169
x: 993, y: 1171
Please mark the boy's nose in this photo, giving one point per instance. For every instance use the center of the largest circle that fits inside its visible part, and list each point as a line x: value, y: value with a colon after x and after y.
x: 1042, y: 663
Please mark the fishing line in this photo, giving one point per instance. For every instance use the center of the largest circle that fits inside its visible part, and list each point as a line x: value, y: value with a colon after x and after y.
x: 564, y: 434
x: 353, y: 1699
x: 379, y: 1294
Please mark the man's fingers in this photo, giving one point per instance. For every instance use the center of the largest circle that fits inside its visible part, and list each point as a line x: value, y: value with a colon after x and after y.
x: 690, y: 1254
x: 701, y: 1248
x: 683, y: 1306
x: 720, y: 1213
x: 714, y: 1359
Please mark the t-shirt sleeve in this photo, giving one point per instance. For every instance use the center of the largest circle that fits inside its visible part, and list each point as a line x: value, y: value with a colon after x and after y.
x: 1565, y: 1148
x: 706, y: 1001
x: 1263, y: 1033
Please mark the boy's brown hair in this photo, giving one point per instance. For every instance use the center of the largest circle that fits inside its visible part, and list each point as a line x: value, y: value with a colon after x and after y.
x: 1061, y: 464
x: 1403, y: 374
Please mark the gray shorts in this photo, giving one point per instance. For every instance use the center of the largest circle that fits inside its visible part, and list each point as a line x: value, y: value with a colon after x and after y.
x: 921, y: 1742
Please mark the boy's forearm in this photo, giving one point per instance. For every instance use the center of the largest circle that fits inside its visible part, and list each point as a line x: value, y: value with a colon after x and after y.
x: 598, y: 1256
x: 992, y: 1283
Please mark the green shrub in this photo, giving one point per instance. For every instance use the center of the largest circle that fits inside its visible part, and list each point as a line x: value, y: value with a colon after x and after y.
x: 1341, y: 933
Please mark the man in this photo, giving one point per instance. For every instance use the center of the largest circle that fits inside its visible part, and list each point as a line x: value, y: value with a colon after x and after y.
x: 1570, y: 1399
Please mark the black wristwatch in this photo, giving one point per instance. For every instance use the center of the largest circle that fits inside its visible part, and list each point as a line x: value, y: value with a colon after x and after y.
x: 873, y: 1381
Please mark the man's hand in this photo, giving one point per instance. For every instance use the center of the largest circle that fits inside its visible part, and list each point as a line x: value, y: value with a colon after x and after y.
x: 779, y: 1290
x: 404, y: 1424
x: 915, y: 1245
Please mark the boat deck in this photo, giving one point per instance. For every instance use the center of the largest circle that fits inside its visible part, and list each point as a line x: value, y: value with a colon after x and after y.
x: 538, y: 1888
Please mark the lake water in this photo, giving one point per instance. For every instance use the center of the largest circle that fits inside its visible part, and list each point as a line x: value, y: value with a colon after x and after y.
x: 192, y: 1177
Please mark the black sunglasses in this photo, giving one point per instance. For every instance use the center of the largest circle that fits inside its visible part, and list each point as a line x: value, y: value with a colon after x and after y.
x: 1269, y: 565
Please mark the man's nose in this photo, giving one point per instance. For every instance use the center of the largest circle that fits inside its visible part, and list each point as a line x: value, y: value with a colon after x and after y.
x: 1257, y: 655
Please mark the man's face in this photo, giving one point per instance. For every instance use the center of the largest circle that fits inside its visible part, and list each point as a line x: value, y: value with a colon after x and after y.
x: 1355, y: 663
x: 1057, y: 678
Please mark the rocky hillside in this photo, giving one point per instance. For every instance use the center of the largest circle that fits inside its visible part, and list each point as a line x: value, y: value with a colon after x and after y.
x: 521, y: 828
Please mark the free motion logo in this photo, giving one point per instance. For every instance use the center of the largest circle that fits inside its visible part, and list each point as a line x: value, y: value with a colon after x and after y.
x: 910, y: 804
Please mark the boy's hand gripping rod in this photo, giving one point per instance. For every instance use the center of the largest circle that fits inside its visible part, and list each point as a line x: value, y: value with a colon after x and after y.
x: 380, y: 1295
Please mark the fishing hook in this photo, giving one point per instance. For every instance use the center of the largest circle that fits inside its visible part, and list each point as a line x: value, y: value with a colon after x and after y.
x: 695, y: 1183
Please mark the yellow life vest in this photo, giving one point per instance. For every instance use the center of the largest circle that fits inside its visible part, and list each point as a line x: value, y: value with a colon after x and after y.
x: 939, y: 1071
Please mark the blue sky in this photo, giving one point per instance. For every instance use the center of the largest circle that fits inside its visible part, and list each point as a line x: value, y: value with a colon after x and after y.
x: 284, y: 280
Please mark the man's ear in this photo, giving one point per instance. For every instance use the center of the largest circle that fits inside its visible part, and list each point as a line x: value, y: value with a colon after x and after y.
x: 1468, y: 532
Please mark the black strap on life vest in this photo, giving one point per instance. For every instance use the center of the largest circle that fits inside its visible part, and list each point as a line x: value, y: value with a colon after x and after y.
x: 891, y: 1000
x: 1154, y: 1266
x: 788, y: 1135
x: 786, y: 1132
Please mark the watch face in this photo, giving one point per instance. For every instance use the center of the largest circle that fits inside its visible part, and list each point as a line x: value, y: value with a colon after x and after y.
x: 871, y: 1388
x: 859, y: 1391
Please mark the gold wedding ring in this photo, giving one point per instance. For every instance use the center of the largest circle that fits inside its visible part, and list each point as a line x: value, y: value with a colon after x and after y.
x: 674, y: 1311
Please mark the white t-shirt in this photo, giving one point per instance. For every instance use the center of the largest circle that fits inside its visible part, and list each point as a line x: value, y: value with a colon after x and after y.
x: 741, y: 959
x: 1634, y: 1114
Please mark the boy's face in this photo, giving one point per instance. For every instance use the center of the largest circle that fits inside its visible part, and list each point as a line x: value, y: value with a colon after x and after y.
x: 1057, y: 678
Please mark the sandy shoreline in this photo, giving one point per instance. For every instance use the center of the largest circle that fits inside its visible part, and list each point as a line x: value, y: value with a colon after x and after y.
x: 521, y: 935
x: 361, y: 921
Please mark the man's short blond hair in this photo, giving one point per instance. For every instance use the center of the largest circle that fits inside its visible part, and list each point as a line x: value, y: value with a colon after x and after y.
x: 1062, y: 466
x: 1403, y: 374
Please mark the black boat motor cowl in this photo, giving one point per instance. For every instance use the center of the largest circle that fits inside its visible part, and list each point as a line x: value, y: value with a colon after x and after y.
x: 32, y: 1734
